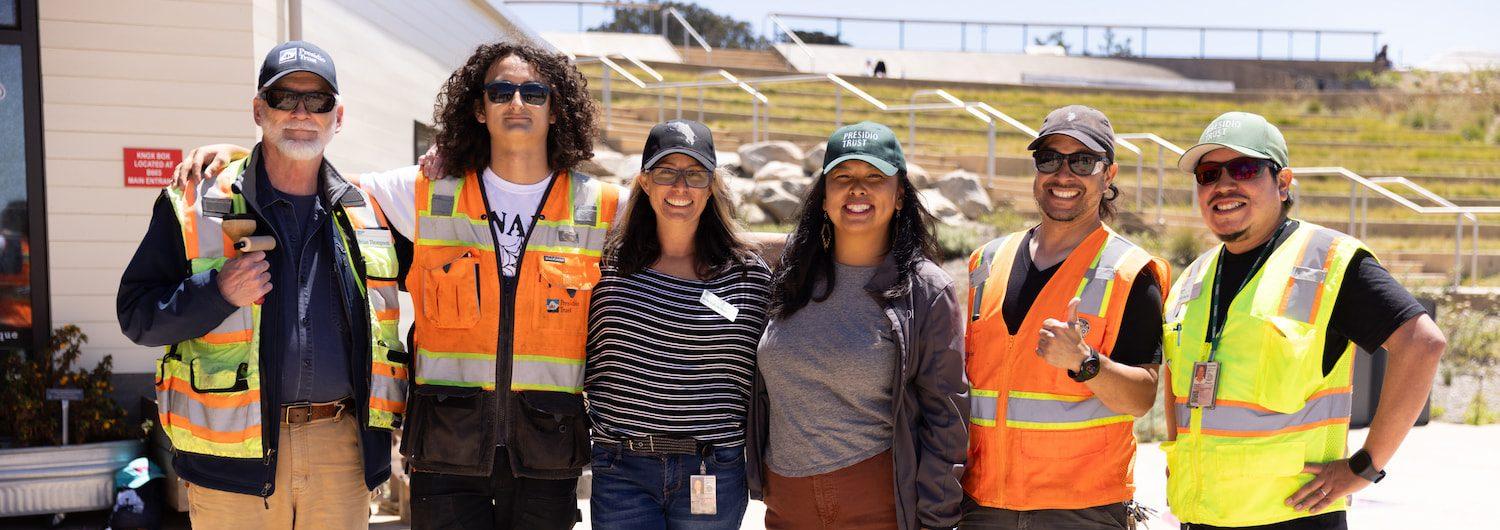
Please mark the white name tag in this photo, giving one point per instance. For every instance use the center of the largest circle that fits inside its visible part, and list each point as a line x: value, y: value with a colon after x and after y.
x: 724, y: 309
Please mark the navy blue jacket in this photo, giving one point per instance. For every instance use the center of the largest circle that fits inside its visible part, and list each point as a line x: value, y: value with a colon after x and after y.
x: 161, y: 303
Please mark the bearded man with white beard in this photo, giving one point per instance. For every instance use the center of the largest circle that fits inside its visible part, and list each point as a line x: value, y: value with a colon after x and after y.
x: 273, y: 287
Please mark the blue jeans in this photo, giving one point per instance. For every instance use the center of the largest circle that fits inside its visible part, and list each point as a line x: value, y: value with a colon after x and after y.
x: 634, y: 491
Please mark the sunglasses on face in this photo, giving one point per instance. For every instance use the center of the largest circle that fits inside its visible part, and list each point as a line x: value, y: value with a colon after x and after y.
x: 287, y: 100
x: 1081, y: 164
x: 532, y: 92
x: 666, y: 176
x: 1241, y: 169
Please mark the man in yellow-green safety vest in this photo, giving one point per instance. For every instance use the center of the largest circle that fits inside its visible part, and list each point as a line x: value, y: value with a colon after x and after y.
x: 1259, y: 334
x: 273, y: 289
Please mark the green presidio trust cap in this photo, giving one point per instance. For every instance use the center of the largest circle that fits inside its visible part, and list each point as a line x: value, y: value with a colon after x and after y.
x: 866, y: 141
x: 1250, y: 134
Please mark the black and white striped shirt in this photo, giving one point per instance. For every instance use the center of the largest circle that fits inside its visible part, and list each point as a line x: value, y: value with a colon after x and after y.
x: 661, y: 362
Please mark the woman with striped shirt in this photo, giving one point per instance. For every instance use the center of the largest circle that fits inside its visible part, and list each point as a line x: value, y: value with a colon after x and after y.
x: 673, y: 327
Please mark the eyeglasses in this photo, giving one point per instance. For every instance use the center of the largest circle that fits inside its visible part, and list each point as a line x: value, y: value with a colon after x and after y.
x: 666, y: 176
x: 287, y: 100
x: 1241, y: 169
x: 532, y: 92
x: 1081, y: 164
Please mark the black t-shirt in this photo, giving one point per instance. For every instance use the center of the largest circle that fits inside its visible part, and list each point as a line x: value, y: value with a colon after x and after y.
x: 1139, y: 340
x: 1370, y: 305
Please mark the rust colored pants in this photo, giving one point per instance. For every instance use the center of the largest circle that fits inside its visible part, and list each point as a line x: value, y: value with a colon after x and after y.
x: 858, y: 497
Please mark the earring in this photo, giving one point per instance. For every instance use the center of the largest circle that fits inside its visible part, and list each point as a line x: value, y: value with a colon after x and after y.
x: 827, y: 232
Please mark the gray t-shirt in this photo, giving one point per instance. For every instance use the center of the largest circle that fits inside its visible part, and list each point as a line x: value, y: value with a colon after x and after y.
x: 828, y: 371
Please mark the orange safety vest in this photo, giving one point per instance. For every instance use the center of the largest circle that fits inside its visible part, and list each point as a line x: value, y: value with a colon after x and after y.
x: 1038, y: 439
x: 455, y: 285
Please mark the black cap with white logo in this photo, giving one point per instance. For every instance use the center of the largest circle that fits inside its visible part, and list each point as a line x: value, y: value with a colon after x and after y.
x: 1085, y: 124
x: 679, y: 136
x: 297, y: 56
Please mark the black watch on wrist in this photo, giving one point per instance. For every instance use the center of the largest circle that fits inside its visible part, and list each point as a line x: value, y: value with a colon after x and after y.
x: 1088, y: 369
x: 1364, y: 466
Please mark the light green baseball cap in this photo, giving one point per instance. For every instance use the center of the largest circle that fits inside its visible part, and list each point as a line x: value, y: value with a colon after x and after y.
x: 1250, y: 134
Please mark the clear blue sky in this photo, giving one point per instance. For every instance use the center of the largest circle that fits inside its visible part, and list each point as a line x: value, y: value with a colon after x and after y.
x: 1415, y: 29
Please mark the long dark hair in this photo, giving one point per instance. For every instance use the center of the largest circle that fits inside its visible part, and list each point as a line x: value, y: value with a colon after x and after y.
x: 717, y: 245
x: 464, y: 143
x: 805, y: 264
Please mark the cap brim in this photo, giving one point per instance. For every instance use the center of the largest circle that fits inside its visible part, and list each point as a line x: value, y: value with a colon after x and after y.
x: 1076, y: 135
x: 1189, y: 160
x: 280, y: 75
x: 704, y: 161
x: 884, y: 167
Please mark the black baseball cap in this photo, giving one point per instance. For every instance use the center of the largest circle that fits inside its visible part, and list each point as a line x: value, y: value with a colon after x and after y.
x: 1085, y: 124
x: 866, y: 141
x: 679, y: 136
x: 297, y: 56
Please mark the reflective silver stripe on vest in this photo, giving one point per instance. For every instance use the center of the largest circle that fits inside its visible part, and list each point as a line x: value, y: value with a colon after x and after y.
x: 455, y: 229
x: 981, y: 273
x: 983, y: 407
x: 567, y: 236
x: 216, y: 419
x: 586, y: 207
x: 1097, y: 280
x: 443, y: 195
x: 1308, y: 275
x: 241, y: 320
x: 455, y: 371
x: 384, y: 298
x: 1054, y: 411
x: 537, y: 373
x: 1225, y: 417
x: 1191, y: 285
x: 388, y: 388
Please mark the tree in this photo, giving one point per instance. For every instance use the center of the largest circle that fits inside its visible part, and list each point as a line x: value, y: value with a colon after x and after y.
x: 719, y: 30
x: 1474, y: 348
x: 818, y: 37
x: 1055, y: 39
x: 1114, y: 46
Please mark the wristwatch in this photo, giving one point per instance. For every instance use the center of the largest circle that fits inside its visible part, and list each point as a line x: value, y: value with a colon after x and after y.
x: 1088, y: 369
x: 1364, y: 466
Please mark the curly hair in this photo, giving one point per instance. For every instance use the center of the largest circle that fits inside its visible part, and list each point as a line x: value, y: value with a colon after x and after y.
x: 805, y: 263
x: 464, y: 143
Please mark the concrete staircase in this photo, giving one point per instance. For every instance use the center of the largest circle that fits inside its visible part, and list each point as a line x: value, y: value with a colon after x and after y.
x: 729, y: 58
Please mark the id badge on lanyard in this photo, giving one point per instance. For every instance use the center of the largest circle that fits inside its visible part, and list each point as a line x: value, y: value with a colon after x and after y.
x: 703, y: 499
x: 1205, y: 385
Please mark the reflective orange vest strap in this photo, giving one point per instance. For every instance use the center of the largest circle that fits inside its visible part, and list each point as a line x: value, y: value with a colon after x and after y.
x: 1058, y: 446
x: 457, y: 294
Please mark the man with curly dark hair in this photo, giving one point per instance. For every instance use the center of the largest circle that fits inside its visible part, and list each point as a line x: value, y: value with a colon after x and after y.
x: 507, y: 239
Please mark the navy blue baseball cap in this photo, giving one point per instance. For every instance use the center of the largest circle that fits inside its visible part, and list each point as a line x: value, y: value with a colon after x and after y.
x: 297, y: 56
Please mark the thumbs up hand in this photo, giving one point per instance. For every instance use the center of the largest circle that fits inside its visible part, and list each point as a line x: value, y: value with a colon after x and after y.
x: 1060, y: 342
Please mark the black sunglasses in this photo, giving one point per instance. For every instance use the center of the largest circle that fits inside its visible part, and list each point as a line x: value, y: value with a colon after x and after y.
x: 532, y: 92
x: 1081, y: 164
x: 666, y: 176
x: 1241, y: 169
x: 287, y: 100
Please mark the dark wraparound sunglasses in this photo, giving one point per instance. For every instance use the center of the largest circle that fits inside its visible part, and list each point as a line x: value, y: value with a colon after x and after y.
x: 287, y: 100
x: 532, y: 93
x: 1241, y: 169
x: 666, y: 176
x: 1081, y: 164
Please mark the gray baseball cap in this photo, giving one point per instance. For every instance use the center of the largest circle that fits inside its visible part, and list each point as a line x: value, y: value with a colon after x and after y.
x: 1079, y: 122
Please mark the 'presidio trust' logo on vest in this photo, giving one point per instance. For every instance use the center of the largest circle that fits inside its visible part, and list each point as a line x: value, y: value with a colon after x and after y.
x: 857, y: 138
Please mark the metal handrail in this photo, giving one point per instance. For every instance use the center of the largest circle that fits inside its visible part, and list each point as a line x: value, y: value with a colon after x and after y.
x: 689, y: 30
x: 812, y: 61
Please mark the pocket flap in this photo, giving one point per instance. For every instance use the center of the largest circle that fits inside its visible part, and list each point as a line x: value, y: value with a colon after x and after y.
x: 557, y: 405
x: 1260, y: 460
x: 568, y: 272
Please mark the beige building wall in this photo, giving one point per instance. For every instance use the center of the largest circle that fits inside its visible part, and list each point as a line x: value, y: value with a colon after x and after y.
x: 179, y: 74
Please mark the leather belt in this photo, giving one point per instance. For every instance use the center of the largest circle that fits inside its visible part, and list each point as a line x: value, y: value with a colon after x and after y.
x: 662, y: 445
x: 305, y: 412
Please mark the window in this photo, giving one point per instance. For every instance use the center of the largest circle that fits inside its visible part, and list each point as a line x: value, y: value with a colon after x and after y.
x: 24, y: 320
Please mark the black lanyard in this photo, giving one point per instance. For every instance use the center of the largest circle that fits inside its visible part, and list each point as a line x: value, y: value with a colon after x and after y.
x: 1216, y: 326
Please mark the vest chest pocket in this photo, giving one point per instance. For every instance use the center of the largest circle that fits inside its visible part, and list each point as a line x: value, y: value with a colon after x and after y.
x: 450, y: 290
x: 1290, y: 349
x: 566, y: 284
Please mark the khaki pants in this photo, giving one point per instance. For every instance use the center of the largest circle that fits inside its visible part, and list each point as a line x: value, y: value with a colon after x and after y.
x: 320, y: 484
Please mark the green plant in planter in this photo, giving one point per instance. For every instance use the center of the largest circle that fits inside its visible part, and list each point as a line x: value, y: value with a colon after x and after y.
x: 31, y: 420
x: 1474, y: 349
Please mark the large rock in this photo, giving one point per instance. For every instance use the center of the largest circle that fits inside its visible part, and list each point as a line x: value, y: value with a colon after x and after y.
x: 739, y: 190
x: 777, y: 170
x: 966, y: 191
x: 812, y: 162
x: 778, y: 202
x: 730, y: 161
x: 940, y: 207
x: 798, y: 185
x: 628, y: 166
x: 752, y: 215
x: 755, y: 155
x: 604, y: 163
x: 918, y: 175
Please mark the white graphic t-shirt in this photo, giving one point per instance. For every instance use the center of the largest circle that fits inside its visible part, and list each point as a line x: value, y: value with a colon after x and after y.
x: 513, y: 206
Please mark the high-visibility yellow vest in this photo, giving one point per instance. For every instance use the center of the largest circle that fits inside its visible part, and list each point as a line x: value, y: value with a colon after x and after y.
x: 209, y: 388
x: 1038, y: 439
x: 455, y: 285
x: 1236, y: 463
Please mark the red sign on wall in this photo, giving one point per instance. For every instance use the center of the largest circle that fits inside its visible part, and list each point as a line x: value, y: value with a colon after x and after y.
x: 147, y: 167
